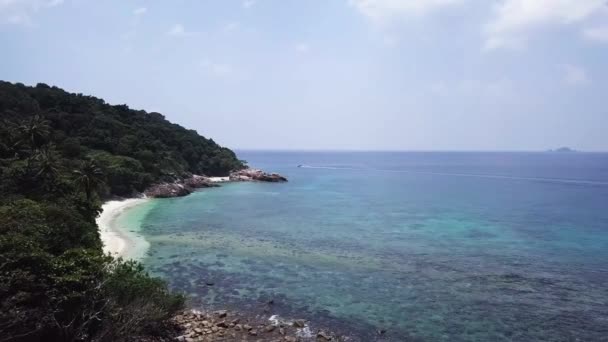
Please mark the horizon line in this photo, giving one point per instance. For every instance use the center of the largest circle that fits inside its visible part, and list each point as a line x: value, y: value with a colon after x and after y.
x: 411, y: 151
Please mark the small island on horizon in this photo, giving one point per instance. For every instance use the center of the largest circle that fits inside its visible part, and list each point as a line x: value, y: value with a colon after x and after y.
x: 563, y: 149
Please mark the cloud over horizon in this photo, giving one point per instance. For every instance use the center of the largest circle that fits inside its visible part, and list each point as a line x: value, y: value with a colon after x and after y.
x: 385, y: 11
x: 515, y: 21
x: 20, y: 12
x: 360, y: 74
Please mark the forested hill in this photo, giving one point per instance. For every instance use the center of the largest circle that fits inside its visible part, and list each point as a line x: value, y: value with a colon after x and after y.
x: 134, y: 148
x: 60, y: 155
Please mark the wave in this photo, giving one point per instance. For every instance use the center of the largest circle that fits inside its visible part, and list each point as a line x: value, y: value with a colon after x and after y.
x: 475, y: 175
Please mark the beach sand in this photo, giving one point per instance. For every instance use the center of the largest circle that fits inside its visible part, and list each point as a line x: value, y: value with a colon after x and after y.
x: 119, y: 238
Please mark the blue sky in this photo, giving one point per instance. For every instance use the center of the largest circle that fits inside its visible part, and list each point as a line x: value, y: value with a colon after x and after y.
x: 333, y: 74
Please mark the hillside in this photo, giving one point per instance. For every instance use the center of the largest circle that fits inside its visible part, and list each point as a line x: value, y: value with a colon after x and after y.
x: 60, y: 155
x: 135, y: 148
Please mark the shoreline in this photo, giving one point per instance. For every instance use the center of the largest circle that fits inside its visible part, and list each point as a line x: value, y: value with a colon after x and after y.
x: 120, y: 240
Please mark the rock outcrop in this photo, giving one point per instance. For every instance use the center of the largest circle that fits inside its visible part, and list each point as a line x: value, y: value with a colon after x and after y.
x: 231, y: 326
x: 250, y: 174
x: 179, y: 188
x: 197, y: 181
x: 186, y: 186
x: 167, y: 190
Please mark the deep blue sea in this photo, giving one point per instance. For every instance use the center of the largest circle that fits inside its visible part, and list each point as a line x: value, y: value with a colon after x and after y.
x: 429, y: 246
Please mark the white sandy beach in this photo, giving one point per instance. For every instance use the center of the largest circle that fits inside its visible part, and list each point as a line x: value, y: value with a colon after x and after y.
x: 119, y: 240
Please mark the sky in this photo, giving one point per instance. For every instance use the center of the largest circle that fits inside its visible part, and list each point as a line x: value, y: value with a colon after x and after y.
x: 331, y: 74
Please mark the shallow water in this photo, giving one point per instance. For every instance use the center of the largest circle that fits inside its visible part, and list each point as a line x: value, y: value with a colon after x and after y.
x: 429, y: 246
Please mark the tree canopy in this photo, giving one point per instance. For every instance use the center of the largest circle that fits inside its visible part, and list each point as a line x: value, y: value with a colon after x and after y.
x: 60, y: 155
x: 132, y: 147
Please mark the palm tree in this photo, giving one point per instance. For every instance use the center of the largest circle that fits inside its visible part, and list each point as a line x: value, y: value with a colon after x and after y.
x: 48, y: 167
x: 35, y: 131
x: 89, y: 178
x: 47, y: 170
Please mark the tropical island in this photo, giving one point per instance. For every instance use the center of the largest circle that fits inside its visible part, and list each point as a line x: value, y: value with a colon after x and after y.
x: 61, y: 156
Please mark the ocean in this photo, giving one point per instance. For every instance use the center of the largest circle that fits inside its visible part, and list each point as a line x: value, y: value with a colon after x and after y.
x: 422, y: 246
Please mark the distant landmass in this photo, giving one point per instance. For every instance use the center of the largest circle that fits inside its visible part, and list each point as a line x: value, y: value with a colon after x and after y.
x: 563, y: 149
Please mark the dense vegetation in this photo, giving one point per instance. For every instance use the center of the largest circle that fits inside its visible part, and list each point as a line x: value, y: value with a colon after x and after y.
x: 60, y: 154
x: 134, y: 148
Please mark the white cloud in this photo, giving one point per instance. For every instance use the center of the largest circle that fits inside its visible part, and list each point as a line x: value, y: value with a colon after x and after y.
x: 248, y: 4
x: 505, y: 42
x: 302, y: 47
x: 598, y: 34
x: 514, y: 20
x: 34, y: 5
x: 381, y: 11
x: 135, y: 20
x: 140, y: 11
x: 178, y: 30
x: 216, y: 69
x: 575, y: 75
x: 20, y: 12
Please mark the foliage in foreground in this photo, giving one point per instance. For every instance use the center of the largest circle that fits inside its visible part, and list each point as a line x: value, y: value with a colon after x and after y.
x: 55, y: 282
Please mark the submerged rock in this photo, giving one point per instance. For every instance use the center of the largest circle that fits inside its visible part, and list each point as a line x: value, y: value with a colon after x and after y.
x: 299, y: 323
x: 322, y: 335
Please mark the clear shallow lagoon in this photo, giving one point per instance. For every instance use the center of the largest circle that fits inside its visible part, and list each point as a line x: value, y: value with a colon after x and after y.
x: 430, y: 246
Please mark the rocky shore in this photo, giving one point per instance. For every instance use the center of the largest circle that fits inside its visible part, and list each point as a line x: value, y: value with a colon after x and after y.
x: 186, y: 185
x: 249, y: 174
x: 223, y: 325
x: 180, y: 187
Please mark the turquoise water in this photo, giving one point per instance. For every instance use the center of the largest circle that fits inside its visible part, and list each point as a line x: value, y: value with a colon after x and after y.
x: 429, y: 246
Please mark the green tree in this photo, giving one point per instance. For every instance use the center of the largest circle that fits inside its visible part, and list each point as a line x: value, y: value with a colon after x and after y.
x: 56, y: 284
x: 47, y: 165
x: 34, y: 131
x: 89, y: 178
x: 70, y: 147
